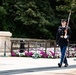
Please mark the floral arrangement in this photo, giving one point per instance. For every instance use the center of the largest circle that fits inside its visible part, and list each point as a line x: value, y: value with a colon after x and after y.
x: 34, y: 54
x: 40, y: 53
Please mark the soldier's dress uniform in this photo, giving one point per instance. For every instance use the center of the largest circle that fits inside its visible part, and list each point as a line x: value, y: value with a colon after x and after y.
x: 63, y: 43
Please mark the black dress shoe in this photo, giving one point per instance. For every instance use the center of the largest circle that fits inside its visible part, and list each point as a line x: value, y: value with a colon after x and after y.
x: 65, y: 65
x: 59, y: 65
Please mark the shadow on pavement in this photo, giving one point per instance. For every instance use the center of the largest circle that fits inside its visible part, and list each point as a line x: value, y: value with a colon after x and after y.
x: 19, y: 71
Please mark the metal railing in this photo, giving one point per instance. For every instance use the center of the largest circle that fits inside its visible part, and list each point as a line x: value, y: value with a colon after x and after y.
x: 31, y: 44
x: 34, y: 44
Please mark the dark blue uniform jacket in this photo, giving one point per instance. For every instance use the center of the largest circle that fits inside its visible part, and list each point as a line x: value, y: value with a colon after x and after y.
x: 62, y: 41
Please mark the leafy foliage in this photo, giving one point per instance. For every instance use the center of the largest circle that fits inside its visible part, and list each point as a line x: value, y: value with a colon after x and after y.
x: 35, y: 18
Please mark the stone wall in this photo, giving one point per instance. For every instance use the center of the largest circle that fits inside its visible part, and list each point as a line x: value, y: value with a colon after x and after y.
x: 5, y: 44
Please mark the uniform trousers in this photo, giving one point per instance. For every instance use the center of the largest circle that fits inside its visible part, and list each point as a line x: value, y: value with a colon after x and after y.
x: 63, y: 55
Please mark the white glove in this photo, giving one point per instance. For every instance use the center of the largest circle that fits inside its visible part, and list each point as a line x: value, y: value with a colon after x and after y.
x: 65, y: 36
x: 62, y: 36
x: 57, y: 45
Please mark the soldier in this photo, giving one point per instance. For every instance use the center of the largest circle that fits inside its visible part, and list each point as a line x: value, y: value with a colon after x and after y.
x: 62, y: 38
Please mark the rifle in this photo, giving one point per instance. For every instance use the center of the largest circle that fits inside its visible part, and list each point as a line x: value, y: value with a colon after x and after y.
x: 67, y: 23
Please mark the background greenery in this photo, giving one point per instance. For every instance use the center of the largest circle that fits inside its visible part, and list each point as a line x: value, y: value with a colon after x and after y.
x: 36, y: 18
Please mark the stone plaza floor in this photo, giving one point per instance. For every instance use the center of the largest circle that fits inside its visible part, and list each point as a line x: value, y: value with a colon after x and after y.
x: 32, y: 66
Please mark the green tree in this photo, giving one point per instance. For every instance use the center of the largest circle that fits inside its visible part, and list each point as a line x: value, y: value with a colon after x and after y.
x: 3, y: 13
x: 30, y: 15
x: 35, y: 18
